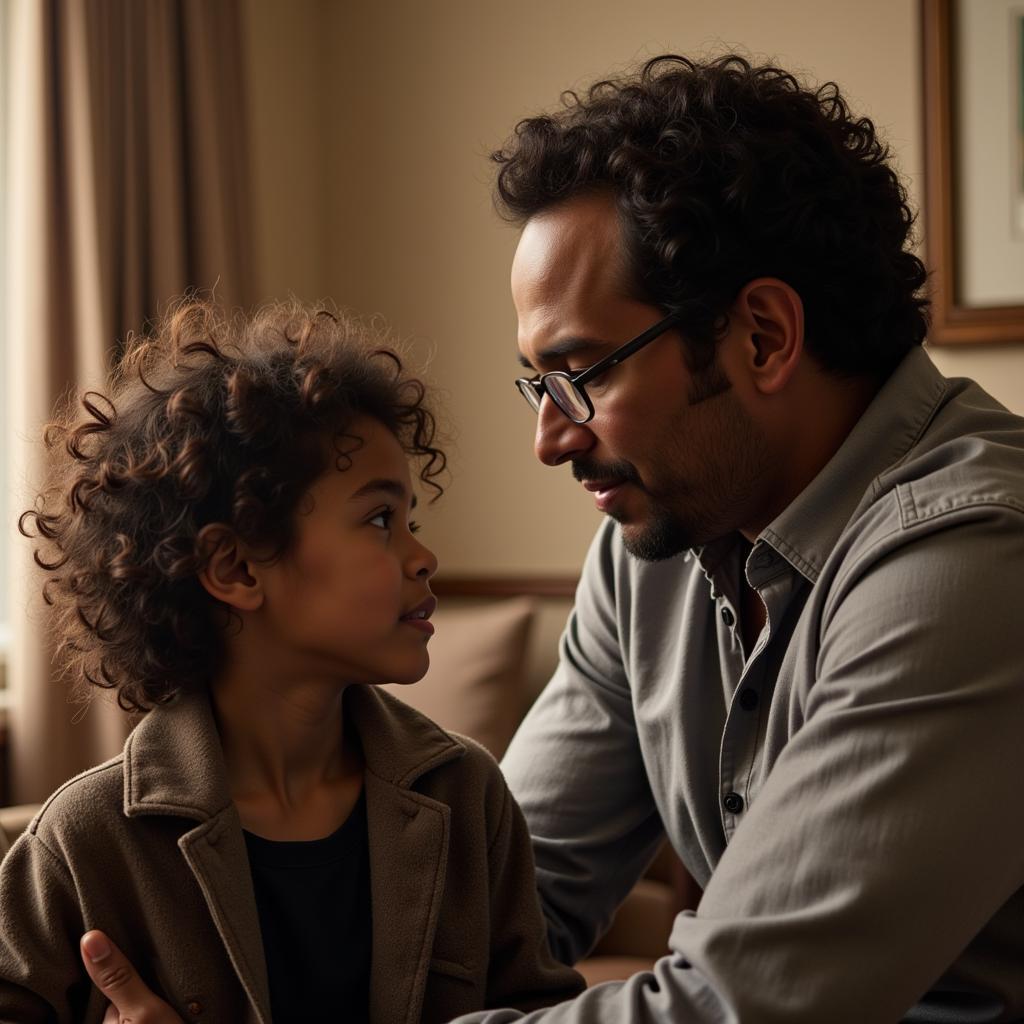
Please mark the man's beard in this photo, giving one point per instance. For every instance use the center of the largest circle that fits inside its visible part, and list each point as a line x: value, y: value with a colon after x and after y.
x: 664, y: 535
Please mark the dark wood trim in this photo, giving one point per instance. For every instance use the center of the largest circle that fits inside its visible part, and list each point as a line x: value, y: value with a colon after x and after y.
x: 504, y: 586
x: 952, y: 323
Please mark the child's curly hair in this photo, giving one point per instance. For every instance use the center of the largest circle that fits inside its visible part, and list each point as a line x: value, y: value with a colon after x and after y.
x: 208, y: 420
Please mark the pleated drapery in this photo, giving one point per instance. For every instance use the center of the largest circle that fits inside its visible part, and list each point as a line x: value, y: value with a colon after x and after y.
x: 127, y: 185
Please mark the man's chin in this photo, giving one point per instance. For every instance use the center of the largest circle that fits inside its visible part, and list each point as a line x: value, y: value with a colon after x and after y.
x: 656, y: 539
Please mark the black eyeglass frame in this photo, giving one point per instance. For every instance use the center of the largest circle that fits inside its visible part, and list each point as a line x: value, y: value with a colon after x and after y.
x: 533, y: 389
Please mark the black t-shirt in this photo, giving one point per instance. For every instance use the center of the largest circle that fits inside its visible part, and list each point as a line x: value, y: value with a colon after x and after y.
x: 313, y: 900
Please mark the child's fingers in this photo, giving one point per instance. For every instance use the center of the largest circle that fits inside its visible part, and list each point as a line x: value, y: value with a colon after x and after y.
x: 132, y: 1001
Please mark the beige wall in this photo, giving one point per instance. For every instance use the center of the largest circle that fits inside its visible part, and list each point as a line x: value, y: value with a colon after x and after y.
x: 392, y: 216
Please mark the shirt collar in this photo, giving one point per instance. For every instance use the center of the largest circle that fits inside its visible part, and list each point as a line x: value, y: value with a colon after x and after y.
x: 174, y: 764
x: 807, y: 530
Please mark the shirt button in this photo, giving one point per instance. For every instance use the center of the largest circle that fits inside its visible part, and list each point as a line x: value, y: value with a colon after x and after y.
x: 195, y: 1008
x: 727, y: 616
x: 748, y: 699
x: 733, y: 803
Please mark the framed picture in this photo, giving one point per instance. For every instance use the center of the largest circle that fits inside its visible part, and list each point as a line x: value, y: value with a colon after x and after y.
x: 973, y: 61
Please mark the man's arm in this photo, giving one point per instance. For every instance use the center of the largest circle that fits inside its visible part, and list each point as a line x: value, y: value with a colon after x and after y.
x: 576, y: 769
x: 885, y: 837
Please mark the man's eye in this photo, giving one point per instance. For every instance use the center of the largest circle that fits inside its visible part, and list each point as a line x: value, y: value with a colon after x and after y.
x: 382, y: 519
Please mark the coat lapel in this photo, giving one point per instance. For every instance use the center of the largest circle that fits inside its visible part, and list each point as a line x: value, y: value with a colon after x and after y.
x: 408, y: 858
x: 174, y: 765
x: 215, y: 852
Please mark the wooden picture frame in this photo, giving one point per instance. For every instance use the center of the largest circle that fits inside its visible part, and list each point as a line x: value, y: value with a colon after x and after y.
x: 953, y: 322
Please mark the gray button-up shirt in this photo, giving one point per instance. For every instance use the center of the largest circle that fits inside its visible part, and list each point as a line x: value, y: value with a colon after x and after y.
x: 850, y: 792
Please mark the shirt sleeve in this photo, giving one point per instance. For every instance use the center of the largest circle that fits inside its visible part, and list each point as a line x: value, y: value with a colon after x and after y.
x: 576, y: 769
x: 887, y: 835
x: 41, y: 975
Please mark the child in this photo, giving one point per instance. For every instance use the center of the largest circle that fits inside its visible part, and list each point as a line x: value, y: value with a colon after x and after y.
x: 229, y: 544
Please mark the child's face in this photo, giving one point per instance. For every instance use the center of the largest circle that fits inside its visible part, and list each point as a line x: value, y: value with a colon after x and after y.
x: 338, y: 603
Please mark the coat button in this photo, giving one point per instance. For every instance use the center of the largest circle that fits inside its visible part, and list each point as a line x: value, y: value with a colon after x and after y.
x: 195, y: 1008
x: 727, y: 616
x: 748, y: 699
x: 733, y: 803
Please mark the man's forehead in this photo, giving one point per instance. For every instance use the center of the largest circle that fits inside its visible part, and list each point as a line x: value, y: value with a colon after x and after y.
x: 571, y: 248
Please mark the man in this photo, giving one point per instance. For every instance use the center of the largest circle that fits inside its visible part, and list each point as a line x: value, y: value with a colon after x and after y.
x: 794, y: 644
x: 793, y: 649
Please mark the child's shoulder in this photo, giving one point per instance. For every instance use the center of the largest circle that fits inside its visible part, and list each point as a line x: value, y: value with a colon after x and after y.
x: 478, y: 758
x: 411, y: 751
x: 472, y: 778
x: 91, y: 800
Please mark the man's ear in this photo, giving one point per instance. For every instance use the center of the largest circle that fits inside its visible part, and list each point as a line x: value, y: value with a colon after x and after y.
x: 771, y: 314
x: 226, y: 575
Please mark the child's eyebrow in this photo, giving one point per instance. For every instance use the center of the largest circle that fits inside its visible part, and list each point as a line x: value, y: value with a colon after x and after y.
x: 386, y: 485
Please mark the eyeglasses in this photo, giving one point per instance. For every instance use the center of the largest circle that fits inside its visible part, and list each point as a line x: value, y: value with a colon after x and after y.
x: 568, y: 391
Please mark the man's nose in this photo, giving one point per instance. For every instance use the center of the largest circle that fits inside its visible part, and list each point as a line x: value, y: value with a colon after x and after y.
x: 558, y: 439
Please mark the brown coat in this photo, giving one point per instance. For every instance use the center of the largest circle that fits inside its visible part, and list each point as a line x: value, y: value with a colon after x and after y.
x: 149, y: 848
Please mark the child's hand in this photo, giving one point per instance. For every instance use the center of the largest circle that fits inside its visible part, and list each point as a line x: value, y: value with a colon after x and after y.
x: 131, y: 1001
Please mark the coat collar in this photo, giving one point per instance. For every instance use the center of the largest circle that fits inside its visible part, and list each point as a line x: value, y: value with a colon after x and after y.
x: 174, y: 763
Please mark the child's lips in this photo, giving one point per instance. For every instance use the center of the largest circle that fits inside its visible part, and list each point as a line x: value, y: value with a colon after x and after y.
x: 419, y: 617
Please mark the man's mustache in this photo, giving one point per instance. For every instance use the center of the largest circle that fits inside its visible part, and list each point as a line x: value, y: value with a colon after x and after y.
x: 584, y: 468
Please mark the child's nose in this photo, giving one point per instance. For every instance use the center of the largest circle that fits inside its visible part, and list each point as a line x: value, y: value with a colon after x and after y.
x: 423, y: 562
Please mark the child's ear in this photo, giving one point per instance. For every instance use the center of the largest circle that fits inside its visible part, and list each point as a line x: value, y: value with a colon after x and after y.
x: 226, y: 575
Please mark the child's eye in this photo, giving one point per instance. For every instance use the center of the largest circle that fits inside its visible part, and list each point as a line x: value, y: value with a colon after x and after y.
x: 382, y: 520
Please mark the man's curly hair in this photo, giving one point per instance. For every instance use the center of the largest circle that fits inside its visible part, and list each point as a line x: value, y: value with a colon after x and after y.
x: 722, y: 173
x: 208, y: 420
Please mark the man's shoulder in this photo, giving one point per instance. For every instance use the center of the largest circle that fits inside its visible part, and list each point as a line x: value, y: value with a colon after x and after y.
x: 962, y: 481
x: 969, y: 459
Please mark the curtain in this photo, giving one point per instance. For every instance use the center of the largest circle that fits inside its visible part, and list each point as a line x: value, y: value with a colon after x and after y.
x: 127, y: 185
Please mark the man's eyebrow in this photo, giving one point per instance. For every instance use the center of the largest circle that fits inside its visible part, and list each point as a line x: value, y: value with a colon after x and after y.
x: 384, y: 485
x: 570, y: 346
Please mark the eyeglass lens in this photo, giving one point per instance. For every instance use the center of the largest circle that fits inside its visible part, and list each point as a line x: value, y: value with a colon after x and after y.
x: 568, y: 398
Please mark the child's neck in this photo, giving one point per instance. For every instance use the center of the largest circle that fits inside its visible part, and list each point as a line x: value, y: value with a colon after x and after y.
x: 295, y: 772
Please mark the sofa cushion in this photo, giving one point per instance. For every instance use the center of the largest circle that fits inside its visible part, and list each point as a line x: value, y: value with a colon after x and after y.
x: 476, y: 683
